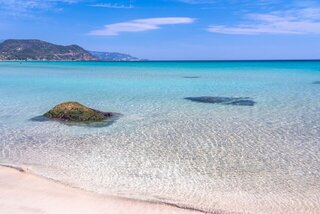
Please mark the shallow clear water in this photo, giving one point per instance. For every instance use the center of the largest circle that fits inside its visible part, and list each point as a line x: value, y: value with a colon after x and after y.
x: 252, y: 159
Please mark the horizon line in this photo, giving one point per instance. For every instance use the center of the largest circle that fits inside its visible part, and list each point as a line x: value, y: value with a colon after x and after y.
x: 168, y: 60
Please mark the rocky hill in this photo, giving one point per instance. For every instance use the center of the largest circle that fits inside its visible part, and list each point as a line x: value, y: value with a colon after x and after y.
x: 14, y: 49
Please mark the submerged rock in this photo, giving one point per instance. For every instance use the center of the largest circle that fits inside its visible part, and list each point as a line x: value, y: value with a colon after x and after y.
x: 316, y: 82
x: 76, y: 112
x: 237, y: 101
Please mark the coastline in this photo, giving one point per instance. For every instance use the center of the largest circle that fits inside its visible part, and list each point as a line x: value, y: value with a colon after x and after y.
x: 23, y: 192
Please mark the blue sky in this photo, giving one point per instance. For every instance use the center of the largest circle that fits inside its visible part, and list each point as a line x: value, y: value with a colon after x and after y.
x: 171, y: 29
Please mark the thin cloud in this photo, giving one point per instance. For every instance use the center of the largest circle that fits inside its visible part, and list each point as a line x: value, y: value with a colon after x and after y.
x: 114, y: 6
x: 198, y: 1
x: 22, y: 7
x: 297, y: 21
x: 139, y: 25
x: 258, y: 2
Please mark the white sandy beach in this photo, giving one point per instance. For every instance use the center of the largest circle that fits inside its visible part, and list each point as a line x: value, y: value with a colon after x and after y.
x: 23, y: 192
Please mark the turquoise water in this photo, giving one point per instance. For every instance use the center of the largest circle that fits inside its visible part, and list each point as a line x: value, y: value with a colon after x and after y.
x: 248, y: 159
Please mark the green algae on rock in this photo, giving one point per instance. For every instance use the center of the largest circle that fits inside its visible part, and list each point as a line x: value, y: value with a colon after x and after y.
x: 76, y: 112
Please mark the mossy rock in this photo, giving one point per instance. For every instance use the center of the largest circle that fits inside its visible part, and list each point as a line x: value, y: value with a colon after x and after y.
x: 76, y: 112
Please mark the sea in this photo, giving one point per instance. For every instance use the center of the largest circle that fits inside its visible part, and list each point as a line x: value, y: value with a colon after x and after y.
x: 246, y: 139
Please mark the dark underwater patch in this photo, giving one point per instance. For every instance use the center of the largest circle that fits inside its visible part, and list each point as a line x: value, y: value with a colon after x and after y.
x: 316, y: 82
x: 236, y: 101
x: 191, y: 77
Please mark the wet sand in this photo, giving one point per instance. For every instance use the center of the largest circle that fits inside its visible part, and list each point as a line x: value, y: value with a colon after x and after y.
x: 23, y: 192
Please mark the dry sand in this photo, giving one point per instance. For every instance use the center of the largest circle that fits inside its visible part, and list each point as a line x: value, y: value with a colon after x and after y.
x: 23, y: 192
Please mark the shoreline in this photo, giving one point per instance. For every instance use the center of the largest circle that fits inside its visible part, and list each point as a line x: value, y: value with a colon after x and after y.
x: 23, y: 192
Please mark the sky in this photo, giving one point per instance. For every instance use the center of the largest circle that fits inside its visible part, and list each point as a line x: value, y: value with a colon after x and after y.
x: 171, y: 29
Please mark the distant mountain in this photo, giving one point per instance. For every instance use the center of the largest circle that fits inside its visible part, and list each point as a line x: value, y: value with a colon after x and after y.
x: 32, y: 49
x: 14, y: 49
x: 113, y: 56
